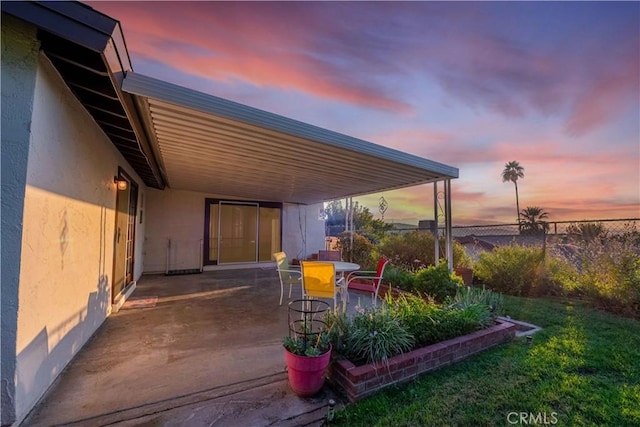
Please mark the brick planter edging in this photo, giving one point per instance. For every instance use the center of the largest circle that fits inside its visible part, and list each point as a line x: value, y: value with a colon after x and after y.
x: 361, y: 381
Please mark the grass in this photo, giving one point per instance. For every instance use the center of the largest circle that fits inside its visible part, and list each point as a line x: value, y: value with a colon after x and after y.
x: 582, y: 369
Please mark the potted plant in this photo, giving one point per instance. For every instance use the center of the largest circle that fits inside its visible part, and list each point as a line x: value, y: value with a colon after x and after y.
x: 463, y: 266
x: 307, y: 357
x: 466, y: 273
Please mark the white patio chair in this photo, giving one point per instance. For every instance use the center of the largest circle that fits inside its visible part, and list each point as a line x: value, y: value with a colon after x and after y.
x: 287, y: 275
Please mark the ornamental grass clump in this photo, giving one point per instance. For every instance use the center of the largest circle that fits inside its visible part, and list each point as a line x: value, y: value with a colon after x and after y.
x: 410, y: 321
x: 469, y: 296
x: 431, y: 323
x: 371, y: 335
x: 378, y: 335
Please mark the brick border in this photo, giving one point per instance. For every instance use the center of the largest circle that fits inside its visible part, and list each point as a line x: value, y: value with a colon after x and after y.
x: 358, y: 382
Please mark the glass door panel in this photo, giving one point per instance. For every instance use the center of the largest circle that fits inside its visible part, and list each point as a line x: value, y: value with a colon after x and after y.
x: 213, y: 232
x: 238, y: 233
x: 269, y: 233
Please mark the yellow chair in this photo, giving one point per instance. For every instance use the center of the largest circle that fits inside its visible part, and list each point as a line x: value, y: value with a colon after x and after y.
x: 319, y: 281
x: 287, y: 275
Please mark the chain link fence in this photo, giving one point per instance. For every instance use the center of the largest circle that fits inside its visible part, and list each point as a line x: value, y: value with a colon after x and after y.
x: 486, y: 237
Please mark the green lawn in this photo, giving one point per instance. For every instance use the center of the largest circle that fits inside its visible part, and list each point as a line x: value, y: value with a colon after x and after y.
x: 582, y: 369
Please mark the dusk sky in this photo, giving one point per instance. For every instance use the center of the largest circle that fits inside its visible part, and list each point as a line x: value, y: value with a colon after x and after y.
x: 553, y: 85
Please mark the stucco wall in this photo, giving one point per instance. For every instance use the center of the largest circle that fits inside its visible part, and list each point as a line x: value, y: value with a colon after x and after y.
x: 179, y: 216
x: 303, y: 232
x: 19, y: 62
x: 67, y: 240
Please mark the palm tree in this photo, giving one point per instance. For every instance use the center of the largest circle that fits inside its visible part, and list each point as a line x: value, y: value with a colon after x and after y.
x: 512, y: 171
x: 533, y: 220
x: 588, y: 231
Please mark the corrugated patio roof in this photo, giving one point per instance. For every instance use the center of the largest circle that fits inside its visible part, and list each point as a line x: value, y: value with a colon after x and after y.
x: 213, y: 145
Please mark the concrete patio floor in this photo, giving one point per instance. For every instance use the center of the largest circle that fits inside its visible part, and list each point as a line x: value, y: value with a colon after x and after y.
x: 208, y: 353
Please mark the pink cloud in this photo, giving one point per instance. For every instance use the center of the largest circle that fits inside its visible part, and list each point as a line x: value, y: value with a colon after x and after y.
x: 352, y: 52
x: 582, y: 73
x: 226, y: 41
x: 612, y: 92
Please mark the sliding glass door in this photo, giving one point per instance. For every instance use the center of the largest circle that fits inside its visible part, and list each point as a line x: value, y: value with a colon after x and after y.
x: 240, y: 232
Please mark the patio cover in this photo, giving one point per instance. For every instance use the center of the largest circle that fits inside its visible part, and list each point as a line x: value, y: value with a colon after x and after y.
x: 213, y: 145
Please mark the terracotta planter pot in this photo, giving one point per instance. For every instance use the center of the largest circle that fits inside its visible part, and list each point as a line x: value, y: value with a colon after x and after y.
x: 306, y: 373
x: 466, y: 274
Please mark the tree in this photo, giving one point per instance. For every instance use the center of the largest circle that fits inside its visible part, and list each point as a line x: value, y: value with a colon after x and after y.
x: 363, y: 220
x: 512, y: 171
x: 587, y: 231
x: 533, y: 220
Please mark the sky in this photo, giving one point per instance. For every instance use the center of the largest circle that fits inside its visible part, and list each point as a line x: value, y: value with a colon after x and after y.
x: 552, y: 85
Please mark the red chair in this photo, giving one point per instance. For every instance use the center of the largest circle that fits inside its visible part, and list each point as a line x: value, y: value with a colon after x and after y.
x: 368, y: 281
x: 329, y: 256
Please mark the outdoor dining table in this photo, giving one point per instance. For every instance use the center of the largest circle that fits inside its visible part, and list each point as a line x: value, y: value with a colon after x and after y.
x: 344, y: 267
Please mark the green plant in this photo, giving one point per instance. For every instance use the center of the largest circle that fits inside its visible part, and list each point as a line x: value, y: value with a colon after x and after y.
x: 377, y: 335
x: 360, y: 252
x: 610, y: 274
x: 587, y: 231
x: 437, y: 281
x: 513, y: 269
x: 469, y: 296
x: 338, y: 325
x: 512, y: 171
x: 415, y: 250
x: 583, y: 366
x: 532, y: 221
x: 558, y: 278
x: 431, y: 323
x: 371, y: 335
x: 316, y: 345
x: 420, y: 316
x: 399, y: 278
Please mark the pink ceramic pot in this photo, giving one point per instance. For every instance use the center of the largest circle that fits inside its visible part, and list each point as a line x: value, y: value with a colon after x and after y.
x: 306, y: 373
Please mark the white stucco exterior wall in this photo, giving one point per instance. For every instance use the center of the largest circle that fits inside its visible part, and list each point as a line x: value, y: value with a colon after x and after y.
x: 302, y: 231
x: 19, y: 64
x: 68, y: 236
x: 178, y: 216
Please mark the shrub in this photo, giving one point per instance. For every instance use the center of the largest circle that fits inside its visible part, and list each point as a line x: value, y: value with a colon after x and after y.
x: 399, y: 278
x: 558, y: 278
x: 604, y: 267
x: 514, y: 269
x: 415, y: 250
x: 437, y: 281
x: 609, y: 273
x: 361, y: 253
